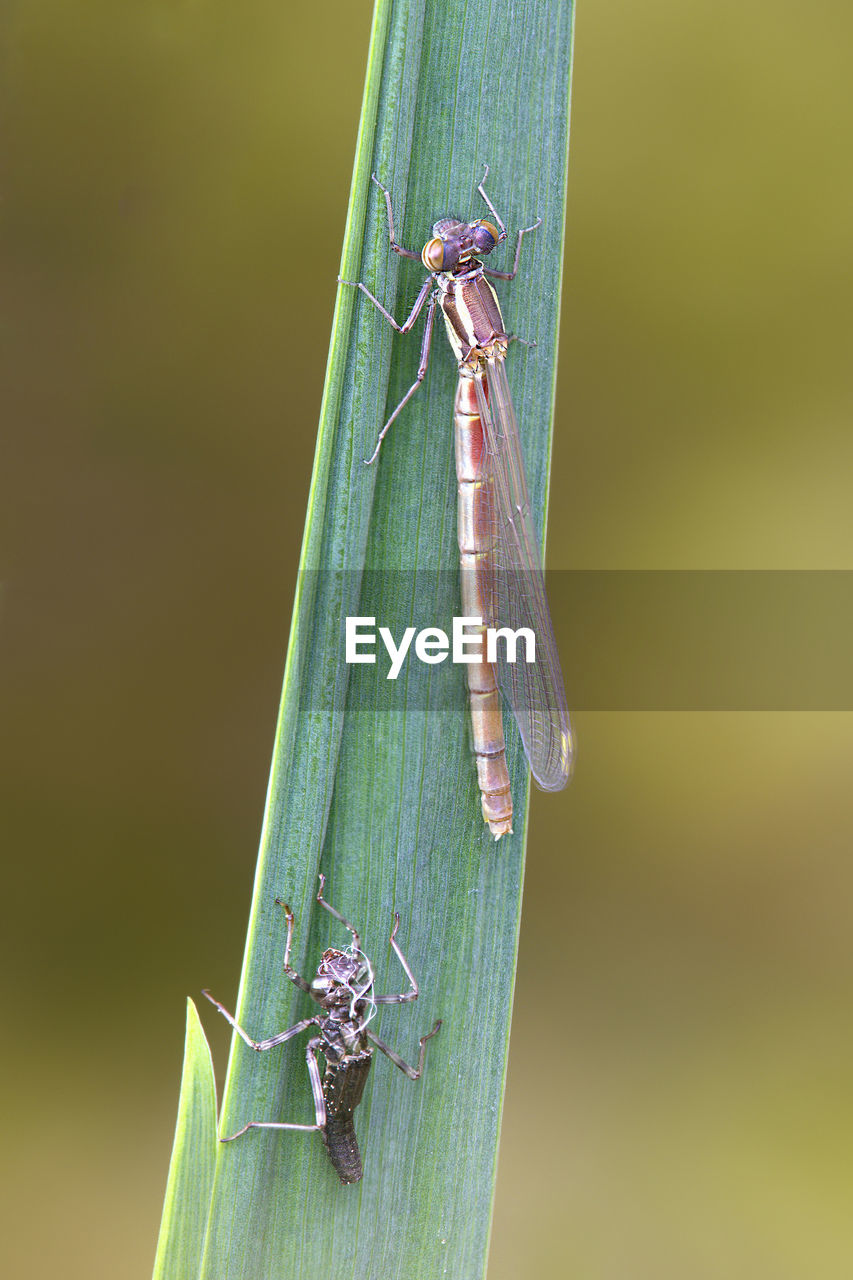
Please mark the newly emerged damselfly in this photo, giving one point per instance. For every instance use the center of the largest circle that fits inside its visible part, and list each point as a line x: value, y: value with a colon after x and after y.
x: 343, y: 987
x: 501, y: 565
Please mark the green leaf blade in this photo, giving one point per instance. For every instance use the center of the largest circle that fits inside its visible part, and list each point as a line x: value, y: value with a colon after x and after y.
x: 193, y: 1162
x: 377, y: 786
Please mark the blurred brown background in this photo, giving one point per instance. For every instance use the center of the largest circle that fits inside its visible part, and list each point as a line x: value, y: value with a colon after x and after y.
x: 682, y: 1066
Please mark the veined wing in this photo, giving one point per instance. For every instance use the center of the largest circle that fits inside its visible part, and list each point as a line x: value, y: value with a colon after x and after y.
x: 517, y: 587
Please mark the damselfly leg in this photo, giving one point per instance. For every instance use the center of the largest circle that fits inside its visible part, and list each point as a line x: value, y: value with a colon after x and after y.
x: 414, y: 1073
x: 261, y: 1046
x: 356, y: 941
x: 412, y: 993
x: 311, y: 1049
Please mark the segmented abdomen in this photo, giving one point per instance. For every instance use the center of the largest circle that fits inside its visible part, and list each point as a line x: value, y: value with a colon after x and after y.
x: 474, y: 528
x: 343, y: 1085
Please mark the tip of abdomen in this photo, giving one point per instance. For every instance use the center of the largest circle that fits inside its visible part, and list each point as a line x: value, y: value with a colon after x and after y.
x: 497, y: 811
x: 339, y: 1137
x: 495, y: 792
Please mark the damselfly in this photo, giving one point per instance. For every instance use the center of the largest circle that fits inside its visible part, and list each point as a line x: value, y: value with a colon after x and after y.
x: 501, y: 566
x: 343, y: 986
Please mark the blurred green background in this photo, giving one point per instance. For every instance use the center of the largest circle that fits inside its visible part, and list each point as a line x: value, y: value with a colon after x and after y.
x: 173, y: 197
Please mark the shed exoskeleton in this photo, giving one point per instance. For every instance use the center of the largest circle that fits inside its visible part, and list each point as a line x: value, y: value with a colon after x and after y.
x: 343, y: 987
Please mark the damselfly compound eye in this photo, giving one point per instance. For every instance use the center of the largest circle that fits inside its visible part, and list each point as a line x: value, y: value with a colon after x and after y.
x: 485, y: 236
x: 433, y: 256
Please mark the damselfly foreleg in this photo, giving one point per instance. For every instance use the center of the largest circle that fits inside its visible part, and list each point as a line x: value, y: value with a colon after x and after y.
x: 332, y: 912
x: 510, y: 275
x: 405, y: 253
x: 412, y: 993
x: 295, y: 978
x: 498, y: 219
x: 398, y: 248
x: 491, y: 271
x: 523, y: 232
x: 319, y: 1101
x: 414, y: 1073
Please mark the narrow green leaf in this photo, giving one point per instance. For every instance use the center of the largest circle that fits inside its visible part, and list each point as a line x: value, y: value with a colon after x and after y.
x: 187, y: 1203
x: 375, y: 782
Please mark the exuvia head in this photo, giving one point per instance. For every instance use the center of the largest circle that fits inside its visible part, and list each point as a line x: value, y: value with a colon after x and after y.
x: 457, y: 242
x: 343, y: 977
x: 340, y: 969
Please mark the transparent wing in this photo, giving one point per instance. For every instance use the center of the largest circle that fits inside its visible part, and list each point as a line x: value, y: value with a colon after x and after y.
x: 517, y: 591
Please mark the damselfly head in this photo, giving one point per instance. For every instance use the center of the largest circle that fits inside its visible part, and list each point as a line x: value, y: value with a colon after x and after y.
x: 456, y: 242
